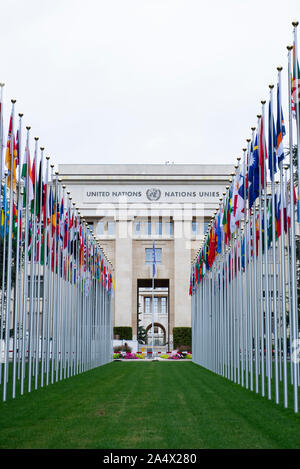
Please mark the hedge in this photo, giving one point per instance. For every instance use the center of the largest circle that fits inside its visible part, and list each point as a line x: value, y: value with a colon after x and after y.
x: 182, y: 336
x: 124, y: 333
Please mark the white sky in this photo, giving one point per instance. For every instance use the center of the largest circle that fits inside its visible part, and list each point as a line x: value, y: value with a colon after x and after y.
x: 142, y: 81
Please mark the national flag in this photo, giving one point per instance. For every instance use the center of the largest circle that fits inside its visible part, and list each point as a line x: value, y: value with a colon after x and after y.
x: 239, y: 203
x: 263, y: 154
x: 253, y: 173
x: 1, y: 136
x: 280, y: 129
x: 277, y: 198
x: 38, y: 192
x: 269, y: 222
x: 28, y: 184
x: 272, y: 144
x: 243, y: 252
x: 219, y: 234
x: 295, y: 87
x: 8, y: 158
x: 257, y: 232
x: 4, y: 214
x: 243, y: 183
x: 235, y: 188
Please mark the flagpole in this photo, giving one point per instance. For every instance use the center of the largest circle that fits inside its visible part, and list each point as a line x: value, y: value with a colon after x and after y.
x: 39, y: 251
x: 282, y: 260
x: 46, y: 273
x: 4, y: 202
x: 17, y: 302
x: 274, y: 246
x: 9, y: 259
x: 32, y: 275
x: 293, y: 326
x: 266, y: 272
x: 296, y: 92
x: 153, y: 275
x: 19, y: 240
x: 1, y: 132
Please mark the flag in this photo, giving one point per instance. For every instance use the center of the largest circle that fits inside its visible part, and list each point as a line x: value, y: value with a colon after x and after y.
x: 243, y: 183
x: 280, y: 129
x: 272, y: 144
x: 239, y: 203
x: 4, y: 214
x: 295, y: 87
x: 224, y: 223
x: 28, y: 184
x: 263, y: 154
x: 243, y: 252
x: 277, y: 198
x: 233, y: 220
x: 257, y: 233
x: 253, y: 173
x: 8, y: 158
x: 269, y: 222
x: 219, y: 234
x: 1, y: 137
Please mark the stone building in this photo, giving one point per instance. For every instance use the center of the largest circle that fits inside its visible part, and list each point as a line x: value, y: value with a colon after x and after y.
x: 130, y: 206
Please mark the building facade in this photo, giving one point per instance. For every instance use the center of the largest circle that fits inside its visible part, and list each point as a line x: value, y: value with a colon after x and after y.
x: 136, y: 211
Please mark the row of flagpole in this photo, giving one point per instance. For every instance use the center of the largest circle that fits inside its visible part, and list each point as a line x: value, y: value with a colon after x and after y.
x: 56, y: 282
x: 244, y: 279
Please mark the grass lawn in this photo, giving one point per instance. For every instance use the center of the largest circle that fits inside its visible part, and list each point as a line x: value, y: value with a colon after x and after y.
x: 146, y: 405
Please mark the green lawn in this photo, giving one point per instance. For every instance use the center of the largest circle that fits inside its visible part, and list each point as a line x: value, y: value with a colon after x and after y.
x: 146, y: 405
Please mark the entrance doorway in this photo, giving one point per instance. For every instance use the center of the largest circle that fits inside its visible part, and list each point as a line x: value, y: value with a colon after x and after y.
x: 156, y: 335
x: 153, y: 308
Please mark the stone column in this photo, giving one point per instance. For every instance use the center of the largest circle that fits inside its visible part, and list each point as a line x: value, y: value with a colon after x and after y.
x: 123, y: 273
x: 182, y: 265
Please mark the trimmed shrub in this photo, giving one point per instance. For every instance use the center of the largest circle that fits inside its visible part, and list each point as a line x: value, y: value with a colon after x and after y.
x: 124, y: 332
x: 184, y: 348
x: 182, y: 336
x: 122, y: 348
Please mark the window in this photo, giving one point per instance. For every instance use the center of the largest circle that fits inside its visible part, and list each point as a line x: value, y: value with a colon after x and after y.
x: 155, y: 305
x: 163, y: 305
x: 149, y: 255
x: 137, y: 227
x: 100, y: 228
x: 159, y: 228
x: 205, y: 226
x: 195, y: 228
x: 111, y: 228
x: 147, y: 305
x: 148, y: 228
x: 169, y: 228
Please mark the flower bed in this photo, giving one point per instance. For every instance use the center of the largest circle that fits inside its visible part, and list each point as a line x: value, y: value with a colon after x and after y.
x: 165, y: 356
x: 128, y: 356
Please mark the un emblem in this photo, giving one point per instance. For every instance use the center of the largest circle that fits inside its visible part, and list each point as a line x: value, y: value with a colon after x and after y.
x: 153, y: 194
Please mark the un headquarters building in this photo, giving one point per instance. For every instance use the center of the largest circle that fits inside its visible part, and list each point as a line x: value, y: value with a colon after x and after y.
x: 130, y: 206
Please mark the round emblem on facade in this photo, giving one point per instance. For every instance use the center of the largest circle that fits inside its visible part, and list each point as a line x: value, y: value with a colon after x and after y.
x: 153, y: 194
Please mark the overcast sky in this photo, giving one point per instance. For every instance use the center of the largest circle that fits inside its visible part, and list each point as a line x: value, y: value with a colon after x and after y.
x: 142, y: 81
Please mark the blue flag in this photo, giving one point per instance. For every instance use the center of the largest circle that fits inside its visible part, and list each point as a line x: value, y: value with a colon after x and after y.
x: 253, y: 174
x: 219, y: 235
